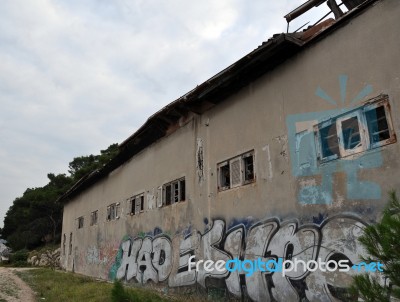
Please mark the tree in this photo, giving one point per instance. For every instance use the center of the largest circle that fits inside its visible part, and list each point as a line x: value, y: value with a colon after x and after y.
x: 35, y: 218
x: 83, y: 165
x: 383, y: 245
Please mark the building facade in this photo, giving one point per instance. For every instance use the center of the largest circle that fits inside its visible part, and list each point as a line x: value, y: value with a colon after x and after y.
x: 287, y: 154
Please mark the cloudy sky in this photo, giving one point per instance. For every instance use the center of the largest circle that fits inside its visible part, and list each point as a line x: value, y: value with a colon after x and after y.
x: 77, y: 76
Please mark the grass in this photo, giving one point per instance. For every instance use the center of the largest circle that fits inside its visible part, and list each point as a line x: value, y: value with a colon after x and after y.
x: 60, y: 286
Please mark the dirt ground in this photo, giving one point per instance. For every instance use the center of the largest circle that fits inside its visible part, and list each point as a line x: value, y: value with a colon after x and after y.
x: 12, y: 288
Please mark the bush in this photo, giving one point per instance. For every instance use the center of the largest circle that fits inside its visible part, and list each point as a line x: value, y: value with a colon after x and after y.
x: 118, y: 293
x: 382, y: 244
x: 19, y: 258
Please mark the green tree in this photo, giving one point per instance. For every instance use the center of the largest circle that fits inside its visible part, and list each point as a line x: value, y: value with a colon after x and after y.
x: 382, y: 243
x: 83, y: 165
x: 35, y: 218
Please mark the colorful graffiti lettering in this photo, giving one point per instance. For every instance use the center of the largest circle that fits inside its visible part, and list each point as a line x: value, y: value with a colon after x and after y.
x: 153, y: 258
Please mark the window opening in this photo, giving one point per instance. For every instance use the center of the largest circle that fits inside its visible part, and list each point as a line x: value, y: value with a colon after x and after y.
x: 174, y: 192
x: 80, y: 222
x: 225, y: 177
x: 378, y: 126
x: 113, y: 211
x: 329, y: 141
x: 236, y: 172
x: 364, y: 128
x: 93, y: 218
x: 351, y: 133
x: 248, y: 168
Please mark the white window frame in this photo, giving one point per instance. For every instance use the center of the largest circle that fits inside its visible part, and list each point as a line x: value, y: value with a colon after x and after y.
x: 113, y: 211
x: 361, y: 127
x: 175, y: 197
x: 235, y: 164
x: 236, y: 171
x: 135, y: 204
x: 365, y: 143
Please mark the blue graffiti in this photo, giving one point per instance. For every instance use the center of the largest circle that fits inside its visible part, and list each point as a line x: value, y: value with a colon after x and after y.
x: 305, y: 156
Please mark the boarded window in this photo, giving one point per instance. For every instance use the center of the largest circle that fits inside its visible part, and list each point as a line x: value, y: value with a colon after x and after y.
x: 236, y: 172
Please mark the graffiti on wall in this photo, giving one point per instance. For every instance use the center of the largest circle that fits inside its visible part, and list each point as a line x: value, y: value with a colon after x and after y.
x: 304, y: 151
x: 158, y: 259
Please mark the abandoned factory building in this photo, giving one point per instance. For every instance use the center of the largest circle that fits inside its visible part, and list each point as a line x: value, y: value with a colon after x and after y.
x: 287, y: 153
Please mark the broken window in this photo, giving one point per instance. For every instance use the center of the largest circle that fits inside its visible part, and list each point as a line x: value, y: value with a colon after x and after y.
x: 351, y: 138
x: 248, y: 164
x: 364, y: 128
x: 236, y: 171
x: 329, y: 141
x: 174, y: 192
x: 224, y: 176
x: 93, y: 217
x: 379, y: 124
x: 136, y: 204
x: 80, y: 222
x: 113, y: 211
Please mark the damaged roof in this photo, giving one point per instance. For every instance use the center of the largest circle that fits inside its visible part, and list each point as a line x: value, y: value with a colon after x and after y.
x: 218, y: 88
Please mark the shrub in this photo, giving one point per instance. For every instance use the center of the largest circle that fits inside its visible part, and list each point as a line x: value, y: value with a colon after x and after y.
x: 19, y: 258
x: 382, y: 244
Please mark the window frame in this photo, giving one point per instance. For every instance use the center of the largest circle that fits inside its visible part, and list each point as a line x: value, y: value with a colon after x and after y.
x: 80, y: 222
x: 94, y: 218
x: 232, y: 165
x: 363, y: 124
x: 177, y: 192
x: 221, y: 184
x: 244, y: 157
x: 113, y: 211
x: 320, y: 153
x: 361, y: 128
x: 392, y: 136
x: 133, y: 204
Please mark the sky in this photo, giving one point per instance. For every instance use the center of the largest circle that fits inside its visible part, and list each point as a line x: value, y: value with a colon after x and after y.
x: 77, y: 76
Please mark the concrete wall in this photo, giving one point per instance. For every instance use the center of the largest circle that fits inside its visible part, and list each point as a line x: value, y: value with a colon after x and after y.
x: 296, y: 206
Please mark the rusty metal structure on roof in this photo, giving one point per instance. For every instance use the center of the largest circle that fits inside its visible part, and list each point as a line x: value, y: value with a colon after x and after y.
x: 333, y: 6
